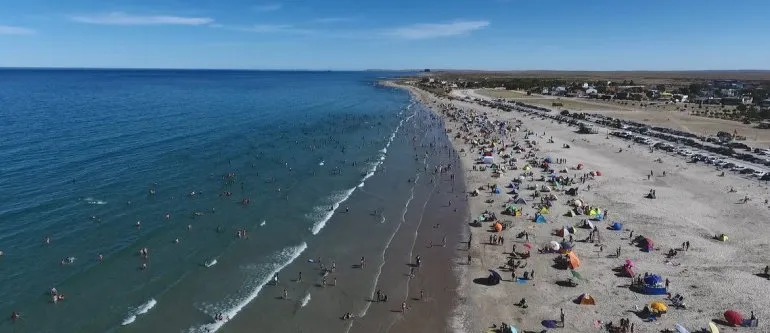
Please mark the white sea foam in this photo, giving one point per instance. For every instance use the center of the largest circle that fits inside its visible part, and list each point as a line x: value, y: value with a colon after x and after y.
x: 305, y: 300
x: 92, y: 201
x: 235, y: 305
x: 262, y: 224
x: 322, y: 215
x: 140, y: 310
x: 321, y: 164
x: 210, y: 263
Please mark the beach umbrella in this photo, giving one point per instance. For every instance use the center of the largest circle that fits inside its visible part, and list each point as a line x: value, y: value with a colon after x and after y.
x: 734, y: 318
x: 713, y: 328
x: 681, y: 329
x: 630, y: 263
x: 528, y: 246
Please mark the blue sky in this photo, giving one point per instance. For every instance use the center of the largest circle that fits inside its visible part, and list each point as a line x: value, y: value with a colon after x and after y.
x: 392, y: 34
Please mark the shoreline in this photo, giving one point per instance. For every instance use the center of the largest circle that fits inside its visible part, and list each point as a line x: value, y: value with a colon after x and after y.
x: 694, y: 198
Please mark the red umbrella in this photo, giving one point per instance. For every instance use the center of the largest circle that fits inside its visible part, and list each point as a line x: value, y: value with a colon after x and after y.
x: 528, y: 245
x: 734, y: 318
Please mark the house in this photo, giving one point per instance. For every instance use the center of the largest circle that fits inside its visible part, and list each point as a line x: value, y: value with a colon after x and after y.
x: 544, y: 91
x: 728, y: 92
x: 585, y: 85
x: 680, y: 98
x: 591, y: 91
x: 747, y: 100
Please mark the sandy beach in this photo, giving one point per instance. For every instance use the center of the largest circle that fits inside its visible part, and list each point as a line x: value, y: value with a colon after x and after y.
x: 692, y: 205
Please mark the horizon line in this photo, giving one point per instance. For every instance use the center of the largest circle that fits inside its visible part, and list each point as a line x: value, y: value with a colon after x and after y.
x: 378, y: 69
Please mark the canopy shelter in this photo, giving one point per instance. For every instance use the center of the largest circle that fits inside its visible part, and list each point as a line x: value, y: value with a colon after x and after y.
x: 498, y: 226
x: 566, y: 246
x: 540, y: 219
x: 488, y: 160
x: 544, y: 211
x: 588, y: 224
x: 520, y: 201
x: 617, y: 226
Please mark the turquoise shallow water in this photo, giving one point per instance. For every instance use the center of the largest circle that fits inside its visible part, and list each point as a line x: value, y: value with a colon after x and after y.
x: 89, y: 153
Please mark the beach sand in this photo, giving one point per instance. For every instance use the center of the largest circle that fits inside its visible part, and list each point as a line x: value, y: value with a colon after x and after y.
x: 693, y: 204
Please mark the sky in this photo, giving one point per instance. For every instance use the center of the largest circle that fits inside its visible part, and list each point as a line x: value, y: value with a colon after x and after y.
x: 392, y: 34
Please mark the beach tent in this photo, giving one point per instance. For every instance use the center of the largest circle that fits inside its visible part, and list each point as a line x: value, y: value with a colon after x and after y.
x: 617, y: 226
x: 554, y: 246
x: 580, y: 166
x: 520, y: 201
x: 598, y: 173
x: 586, y: 299
x: 570, y: 213
x: 588, y: 224
x: 566, y: 246
x: 498, y: 227
x: 713, y: 328
x: 658, y: 307
x: 595, y: 213
x: 681, y: 329
x: 488, y: 160
x: 527, y: 167
x: 496, y: 190
x: 494, y: 278
x: 544, y: 211
x: 577, y: 275
x: 574, y: 261
x: 578, y: 203
x: 722, y: 237
x: 648, y: 245
x: 653, y: 280
x: 733, y: 318
x: 548, y: 160
x: 540, y: 219
x: 563, y: 232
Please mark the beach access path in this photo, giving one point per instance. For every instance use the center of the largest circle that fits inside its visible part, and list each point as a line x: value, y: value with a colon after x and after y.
x: 693, y: 204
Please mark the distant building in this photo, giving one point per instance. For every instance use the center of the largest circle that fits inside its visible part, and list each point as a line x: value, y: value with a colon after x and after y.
x: 746, y: 100
x: 591, y: 91
x: 680, y: 98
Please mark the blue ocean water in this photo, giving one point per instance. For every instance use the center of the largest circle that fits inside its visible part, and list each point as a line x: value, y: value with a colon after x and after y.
x: 108, y: 162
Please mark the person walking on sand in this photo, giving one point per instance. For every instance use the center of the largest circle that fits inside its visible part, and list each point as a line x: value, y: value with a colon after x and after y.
x: 299, y: 278
x: 403, y: 307
x: 422, y: 295
x: 561, y: 316
x: 285, y: 294
x: 469, y: 259
x: 363, y: 261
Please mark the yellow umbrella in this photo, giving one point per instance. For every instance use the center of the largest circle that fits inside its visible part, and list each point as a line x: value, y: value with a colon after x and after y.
x: 659, y: 307
x: 713, y: 328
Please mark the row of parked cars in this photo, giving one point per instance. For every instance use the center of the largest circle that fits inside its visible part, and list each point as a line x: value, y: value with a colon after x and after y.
x: 671, y: 140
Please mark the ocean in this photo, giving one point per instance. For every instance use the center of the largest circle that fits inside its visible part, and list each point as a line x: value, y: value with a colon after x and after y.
x: 227, y: 178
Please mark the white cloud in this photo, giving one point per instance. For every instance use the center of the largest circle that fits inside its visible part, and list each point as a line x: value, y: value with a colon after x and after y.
x: 119, y: 18
x: 10, y: 30
x: 275, y: 28
x: 268, y: 7
x: 435, y: 30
